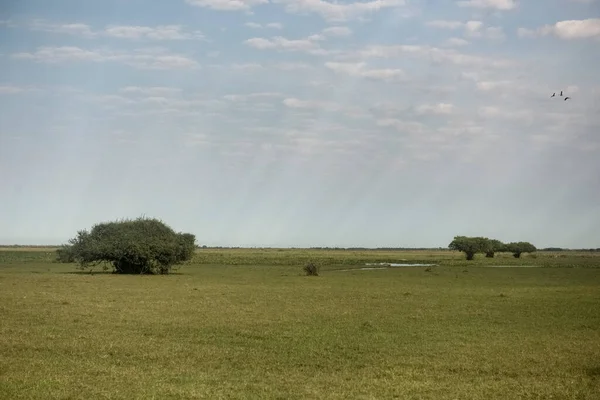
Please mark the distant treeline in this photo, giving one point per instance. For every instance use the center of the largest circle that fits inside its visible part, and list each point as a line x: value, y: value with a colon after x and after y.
x: 329, y: 248
x: 561, y: 249
x: 28, y: 246
x: 549, y: 249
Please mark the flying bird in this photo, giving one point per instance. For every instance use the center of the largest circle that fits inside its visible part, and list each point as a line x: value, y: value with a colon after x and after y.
x: 553, y: 94
x: 561, y: 92
x: 567, y: 98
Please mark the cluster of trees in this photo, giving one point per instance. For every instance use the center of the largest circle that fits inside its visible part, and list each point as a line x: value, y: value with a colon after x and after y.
x: 555, y: 249
x: 140, y: 246
x: 473, y: 245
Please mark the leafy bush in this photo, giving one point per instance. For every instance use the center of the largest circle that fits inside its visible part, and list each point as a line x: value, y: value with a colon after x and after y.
x: 517, y: 248
x: 470, y: 245
x: 141, y: 246
x: 311, y: 269
x: 494, y: 245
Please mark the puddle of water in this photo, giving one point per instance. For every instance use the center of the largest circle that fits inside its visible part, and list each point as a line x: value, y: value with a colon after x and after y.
x: 385, y: 266
x: 401, y: 265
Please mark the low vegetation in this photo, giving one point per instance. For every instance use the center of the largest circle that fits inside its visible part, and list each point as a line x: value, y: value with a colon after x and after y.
x: 140, y: 246
x: 259, y: 330
x: 518, y: 248
x: 311, y: 269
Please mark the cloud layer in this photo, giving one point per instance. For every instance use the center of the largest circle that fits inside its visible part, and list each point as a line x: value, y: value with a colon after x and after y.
x: 305, y: 122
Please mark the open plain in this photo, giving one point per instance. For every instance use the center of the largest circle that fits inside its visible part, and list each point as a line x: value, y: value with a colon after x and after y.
x: 246, y: 323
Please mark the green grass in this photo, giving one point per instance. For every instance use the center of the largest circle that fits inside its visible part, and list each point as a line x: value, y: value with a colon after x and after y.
x: 334, y: 259
x: 248, y: 324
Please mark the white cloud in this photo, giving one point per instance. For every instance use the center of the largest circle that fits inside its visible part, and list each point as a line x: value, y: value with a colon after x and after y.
x: 308, y: 44
x: 501, y: 87
x: 435, y: 54
x: 456, y: 42
x: 10, y: 89
x: 251, y: 96
x: 151, y: 91
x: 524, y: 32
x: 436, y: 109
x: 338, y: 11
x: 495, y: 4
x: 570, y: 29
x: 272, y: 25
x: 148, y: 104
x: 280, y: 43
x: 497, y: 112
x: 292, y: 66
x: 337, y: 31
x: 360, y: 70
x: 71, y: 29
x: 143, y: 59
x: 494, y: 33
x: 572, y: 89
x: 461, y: 127
x: 247, y: 66
x: 402, y: 125
x: 445, y: 24
x: 493, y: 85
x: 311, y: 104
x: 472, y: 29
x: 61, y: 54
x: 260, y: 43
x: 161, y: 32
x: 227, y: 5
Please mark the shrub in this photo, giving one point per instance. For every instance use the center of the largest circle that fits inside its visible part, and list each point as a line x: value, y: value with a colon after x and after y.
x: 517, y: 248
x: 469, y: 245
x: 493, y: 246
x: 141, y: 246
x: 311, y: 269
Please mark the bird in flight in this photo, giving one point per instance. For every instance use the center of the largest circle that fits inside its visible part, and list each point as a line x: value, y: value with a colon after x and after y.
x: 561, y: 92
x: 553, y: 94
x: 567, y: 98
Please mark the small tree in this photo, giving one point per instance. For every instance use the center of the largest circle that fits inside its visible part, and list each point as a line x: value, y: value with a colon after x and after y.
x: 141, y: 246
x: 517, y: 248
x: 494, y: 245
x: 469, y: 245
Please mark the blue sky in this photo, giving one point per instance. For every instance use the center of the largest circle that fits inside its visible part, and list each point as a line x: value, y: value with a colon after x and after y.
x: 302, y: 122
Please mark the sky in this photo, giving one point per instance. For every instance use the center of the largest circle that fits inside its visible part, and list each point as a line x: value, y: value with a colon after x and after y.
x: 297, y: 123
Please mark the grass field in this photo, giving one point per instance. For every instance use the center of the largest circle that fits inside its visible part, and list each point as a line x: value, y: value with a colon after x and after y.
x: 247, y: 324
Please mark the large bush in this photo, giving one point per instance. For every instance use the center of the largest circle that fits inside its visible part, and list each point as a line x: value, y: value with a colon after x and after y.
x: 140, y: 246
x: 494, y: 246
x: 470, y: 245
x: 517, y: 248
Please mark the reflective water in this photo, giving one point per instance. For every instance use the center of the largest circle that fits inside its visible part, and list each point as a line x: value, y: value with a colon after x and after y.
x: 373, y: 266
x: 401, y: 265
